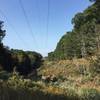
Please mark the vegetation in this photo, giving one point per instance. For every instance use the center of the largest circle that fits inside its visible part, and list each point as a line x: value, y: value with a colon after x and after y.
x: 21, y: 61
x: 71, y: 72
x: 22, y: 89
x: 26, y: 62
x: 84, y: 39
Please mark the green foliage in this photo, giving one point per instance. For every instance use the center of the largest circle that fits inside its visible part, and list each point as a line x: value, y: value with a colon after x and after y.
x: 35, y: 58
x: 6, y: 60
x: 24, y: 64
x: 90, y: 94
x: 84, y: 40
x: 4, y: 75
x: 5, y: 56
x: 2, y: 32
x: 95, y: 65
x: 16, y: 81
x: 24, y: 61
x: 25, y: 89
x: 78, y: 20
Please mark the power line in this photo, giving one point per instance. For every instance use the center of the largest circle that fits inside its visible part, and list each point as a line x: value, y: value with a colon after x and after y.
x: 27, y: 22
x: 47, y: 25
x: 38, y: 10
x: 38, y: 15
x: 12, y: 27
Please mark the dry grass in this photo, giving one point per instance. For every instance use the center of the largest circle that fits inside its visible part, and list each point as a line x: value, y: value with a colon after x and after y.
x: 65, y: 67
x: 69, y: 70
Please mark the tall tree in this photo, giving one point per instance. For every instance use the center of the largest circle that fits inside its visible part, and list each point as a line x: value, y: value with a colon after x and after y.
x: 2, y: 32
x: 6, y: 60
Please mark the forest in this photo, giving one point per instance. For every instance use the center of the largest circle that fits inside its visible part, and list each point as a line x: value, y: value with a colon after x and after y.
x: 70, y: 72
x: 84, y: 39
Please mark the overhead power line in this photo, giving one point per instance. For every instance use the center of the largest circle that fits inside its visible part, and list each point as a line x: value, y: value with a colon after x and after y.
x: 12, y: 27
x: 39, y: 17
x: 27, y: 22
x: 47, y: 25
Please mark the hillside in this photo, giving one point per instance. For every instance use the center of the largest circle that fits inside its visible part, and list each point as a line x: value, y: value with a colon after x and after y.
x: 76, y: 73
x: 84, y: 39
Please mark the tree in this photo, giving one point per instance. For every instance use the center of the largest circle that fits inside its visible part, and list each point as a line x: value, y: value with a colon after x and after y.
x: 26, y: 61
x: 2, y: 32
x: 5, y: 55
x: 35, y: 58
x: 24, y: 64
x: 92, y: 0
x: 84, y: 39
x: 78, y: 20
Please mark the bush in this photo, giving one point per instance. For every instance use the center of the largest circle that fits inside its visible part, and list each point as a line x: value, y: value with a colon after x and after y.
x: 95, y: 65
x: 90, y: 94
x: 4, y: 75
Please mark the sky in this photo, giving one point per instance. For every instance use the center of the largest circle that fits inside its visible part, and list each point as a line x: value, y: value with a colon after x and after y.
x: 40, y: 25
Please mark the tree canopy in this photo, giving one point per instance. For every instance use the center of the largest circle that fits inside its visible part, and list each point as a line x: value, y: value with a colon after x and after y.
x: 24, y: 61
x: 84, y: 39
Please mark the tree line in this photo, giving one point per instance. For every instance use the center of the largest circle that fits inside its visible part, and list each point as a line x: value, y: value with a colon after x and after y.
x: 84, y: 39
x: 24, y: 62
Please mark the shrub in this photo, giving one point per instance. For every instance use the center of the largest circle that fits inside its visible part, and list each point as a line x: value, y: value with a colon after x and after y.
x: 95, y: 67
x: 90, y: 94
x: 4, y: 75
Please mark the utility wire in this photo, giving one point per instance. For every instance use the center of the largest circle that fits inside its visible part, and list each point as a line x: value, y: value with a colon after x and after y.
x: 12, y: 27
x: 38, y: 15
x: 38, y: 10
x: 27, y: 22
x: 44, y: 39
x: 47, y: 25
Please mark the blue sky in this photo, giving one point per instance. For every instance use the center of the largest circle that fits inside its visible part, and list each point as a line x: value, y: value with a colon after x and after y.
x: 18, y: 34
